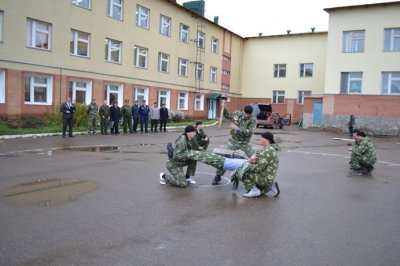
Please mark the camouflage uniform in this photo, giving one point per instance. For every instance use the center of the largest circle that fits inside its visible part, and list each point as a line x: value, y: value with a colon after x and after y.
x: 126, y: 112
x: 91, y: 111
x: 240, y: 139
x: 178, y: 161
x: 261, y: 174
x: 199, y: 140
x: 104, y: 113
x: 363, y: 155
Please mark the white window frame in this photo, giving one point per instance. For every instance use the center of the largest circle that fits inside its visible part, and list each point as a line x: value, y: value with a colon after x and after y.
x: 300, y: 97
x: 354, y: 41
x: 214, y: 45
x: 225, y: 86
x: 278, y: 96
x: 200, y: 39
x: 113, y: 45
x: 141, y: 53
x: 184, y: 33
x: 163, y: 62
x: 303, y: 70
x: 142, y: 93
x: 184, y: 96
x: 76, y: 39
x: 48, y: 86
x: 115, y: 6
x: 82, y: 3
x: 142, y: 17
x: 183, y: 67
x: 226, y: 72
x: 1, y: 25
x: 391, y: 40
x: 164, y: 94
x: 279, y: 70
x: 33, y: 31
x: 165, y: 25
x: 199, y: 100
x: 350, y: 78
x: 387, y: 82
x: 76, y: 87
x: 199, y: 71
x: 116, y: 89
x: 2, y: 86
x: 213, y: 74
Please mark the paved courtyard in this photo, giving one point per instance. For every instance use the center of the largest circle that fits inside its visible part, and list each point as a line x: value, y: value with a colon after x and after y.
x: 96, y: 200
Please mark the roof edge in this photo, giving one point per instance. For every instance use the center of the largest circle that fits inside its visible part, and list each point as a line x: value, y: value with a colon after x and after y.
x: 331, y: 9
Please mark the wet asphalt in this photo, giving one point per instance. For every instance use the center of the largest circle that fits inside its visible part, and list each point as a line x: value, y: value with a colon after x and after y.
x: 96, y: 200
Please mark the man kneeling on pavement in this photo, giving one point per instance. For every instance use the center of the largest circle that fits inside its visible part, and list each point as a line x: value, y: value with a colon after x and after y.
x: 363, y: 156
x: 257, y: 173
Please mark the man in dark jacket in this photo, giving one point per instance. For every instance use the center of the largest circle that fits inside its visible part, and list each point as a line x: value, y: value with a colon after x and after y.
x: 163, y: 117
x: 68, y: 110
x: 144, y: 111
x: 115, y: 115
x: 135, y: 115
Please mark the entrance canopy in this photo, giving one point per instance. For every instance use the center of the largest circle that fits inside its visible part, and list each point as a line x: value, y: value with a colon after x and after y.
x: 214, y: 96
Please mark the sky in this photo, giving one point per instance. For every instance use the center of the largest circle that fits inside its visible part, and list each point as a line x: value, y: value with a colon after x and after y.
x: 250, y: 17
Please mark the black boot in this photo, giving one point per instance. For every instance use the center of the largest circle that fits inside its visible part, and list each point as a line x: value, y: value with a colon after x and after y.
x: 216, y: 180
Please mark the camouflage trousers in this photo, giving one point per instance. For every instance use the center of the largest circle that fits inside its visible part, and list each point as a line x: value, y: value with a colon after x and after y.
x: 234, y: 145
x: 251, y: 179
x: 92, y: 124
x: 358, y: 162
x: 127, y: 124
x: 104, y: 125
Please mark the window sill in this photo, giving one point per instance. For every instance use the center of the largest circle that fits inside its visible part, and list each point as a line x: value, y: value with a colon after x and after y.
x: 37, y: 104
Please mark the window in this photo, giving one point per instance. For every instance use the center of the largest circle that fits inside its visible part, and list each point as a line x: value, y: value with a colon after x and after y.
x: 199, y: 71
x: 391, y: 82
x: 300, y: 98
x: 142, y: 93
x: 199, y: 102
x: 165, y: 25
x: 353, y: 41
x: 113, y: 51
x: 2, y: 87
x: 280, y: 71
x: 38, y: 89
x: 200, y: 39
x: 81, y: 3
x: 392, y: 40
x: 79, y: 44
x: 225, y: 86
x: 350, y: 82
x: 1, y: 26
x: 114, y: 9
x: 163, y: 62
x: 214, y: 45
x: 184, y: 33
x: 278, y: 96
x: 38, y: 34
x: 183, y: 67
x: 140, y: 57
x: 306, y: 70
x: 226, y: 58
x: 226, y: 72
x: 142, y: 17
x: 164, y: 98
x: 182, y: 101
x: 80, y: 91
x: 114, y: 93
x: 213, y: 74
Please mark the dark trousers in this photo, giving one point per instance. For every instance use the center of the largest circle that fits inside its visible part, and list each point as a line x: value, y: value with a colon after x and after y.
x: 154, y: 124
x: 70, y: 123
x: 163, y: 125
x: 135, y: 124
x: 114, y: 129
x: 144, y: 121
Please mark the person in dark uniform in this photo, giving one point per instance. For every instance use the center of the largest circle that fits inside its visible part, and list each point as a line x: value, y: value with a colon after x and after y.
x: 351, y: 123
x: 163, y: 117
x: 144, y: 111
x: 68, y: 110
x: 135, y: 115
x: 115, y: 115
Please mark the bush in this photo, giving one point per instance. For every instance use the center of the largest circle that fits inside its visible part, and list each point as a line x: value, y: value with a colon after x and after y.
x: 26, y: 121
x: 177, y: 117
x: 54, y: 116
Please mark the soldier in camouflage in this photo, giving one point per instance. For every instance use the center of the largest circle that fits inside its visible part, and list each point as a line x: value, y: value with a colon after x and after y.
x: 91, y: 111
x: 126, y: 112
x: 242, y: 128
x: 104, y: 114
x: 363, y: 156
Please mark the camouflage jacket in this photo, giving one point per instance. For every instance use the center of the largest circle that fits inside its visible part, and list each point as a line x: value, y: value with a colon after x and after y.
x: 92, y: 109
x: 365, y: 151
x: 104, y: 111
x: 267, y: 163
x: 182, y: 145
x: 246, y: 125
x: 126, y: 111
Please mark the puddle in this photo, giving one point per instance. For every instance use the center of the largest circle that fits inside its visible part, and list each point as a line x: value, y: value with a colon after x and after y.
x: 46, y: 192
x: 93, y: 148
